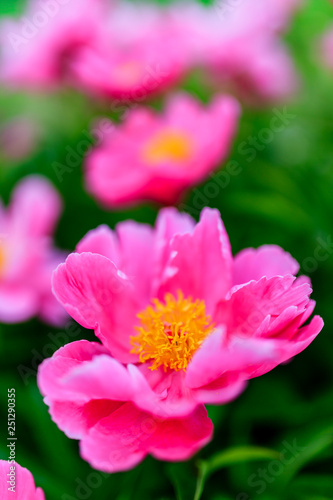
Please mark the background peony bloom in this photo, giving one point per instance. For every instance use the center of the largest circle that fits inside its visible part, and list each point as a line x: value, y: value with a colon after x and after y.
x: 134, y: 59
x: 239, y: 44
x: 37, y: 48
x: 24, y: 483
x: 156, y: 157
x: 182, y: 323
x: 27, y: 256
x: 100, y: 47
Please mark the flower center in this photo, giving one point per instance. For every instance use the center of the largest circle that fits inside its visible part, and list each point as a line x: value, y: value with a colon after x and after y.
x: 168, y: 146
x: 171, y: 332
x: 127, y: 73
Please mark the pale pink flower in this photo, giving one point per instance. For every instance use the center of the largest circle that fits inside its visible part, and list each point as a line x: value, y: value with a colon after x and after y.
x: 181, y: 323
x: 157, y: 157
x: 141, y: 53
x: 37, y: 48
x: 17, y: 483
x: 27, y: 255
x: 239, y: 44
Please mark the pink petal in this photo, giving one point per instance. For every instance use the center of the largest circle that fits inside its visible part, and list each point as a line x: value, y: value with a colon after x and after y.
x: 122, y: 440
x: 179, y: 439
x: 99, y: 297
x: 268, y: 260
x: 17, y: 303
x: 116, y: 443
x: 118, y: 247
x: 50, y: 310
x: 200, y: 263
x: 169, y: 223
x: 76, y: 419
x: 138, y: 238
x: 82, y: 371
x: 289, y: 349
x: 35, y: 207
x: 217, y: 358
x: 160, y: 393
x: 251, y: 303
x: 104, y: 182
x: 102, y: 241
x: 222, y: 390
x: 24, y: 489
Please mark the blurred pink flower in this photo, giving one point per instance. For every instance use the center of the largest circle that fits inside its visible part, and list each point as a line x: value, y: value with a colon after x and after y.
x: 133, y: 59
x: 239, y: 44
x: 23, y: 483
x: 37, y: 48
x: 27, y: 257
x: 181, y: 322
x: 157, y: 157
x: 101, y: 48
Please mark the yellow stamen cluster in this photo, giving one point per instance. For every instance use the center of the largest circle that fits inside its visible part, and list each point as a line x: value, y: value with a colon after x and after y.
x: 171, y: 332
x: 168, y: 146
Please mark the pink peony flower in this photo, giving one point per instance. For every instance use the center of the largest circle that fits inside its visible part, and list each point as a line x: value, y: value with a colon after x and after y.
x: 23, y: 486
x: 156, y: 157
x: 134, y: 59
x: 239, y: 44
x: 182, y: 323
x: 38, y: 47
x: 27, y: 257
x: 102, y: 49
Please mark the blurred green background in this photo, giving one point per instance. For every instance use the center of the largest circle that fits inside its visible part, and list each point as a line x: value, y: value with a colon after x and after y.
x: 282, y: 196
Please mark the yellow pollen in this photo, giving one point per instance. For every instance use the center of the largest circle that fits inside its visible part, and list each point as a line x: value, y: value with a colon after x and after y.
x: 171, y: 332
x: 168, y: 146
x: 2, y: 258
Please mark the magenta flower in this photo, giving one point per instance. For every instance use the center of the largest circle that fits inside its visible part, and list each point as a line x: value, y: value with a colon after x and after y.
x: 27, y: 257
x: 181, y: 323
x: 37, y: 48
x: 239, y: 44
x: 16, y: 482
x: 133, y: 60
x: 157, y: 157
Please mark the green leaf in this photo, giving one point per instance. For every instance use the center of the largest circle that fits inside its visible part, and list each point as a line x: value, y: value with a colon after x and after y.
x: 319, y: 443
x: 229, y: 457
x: 183, y: 479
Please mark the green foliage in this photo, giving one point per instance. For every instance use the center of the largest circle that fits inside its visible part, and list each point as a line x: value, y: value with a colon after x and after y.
x: 281, y: 194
